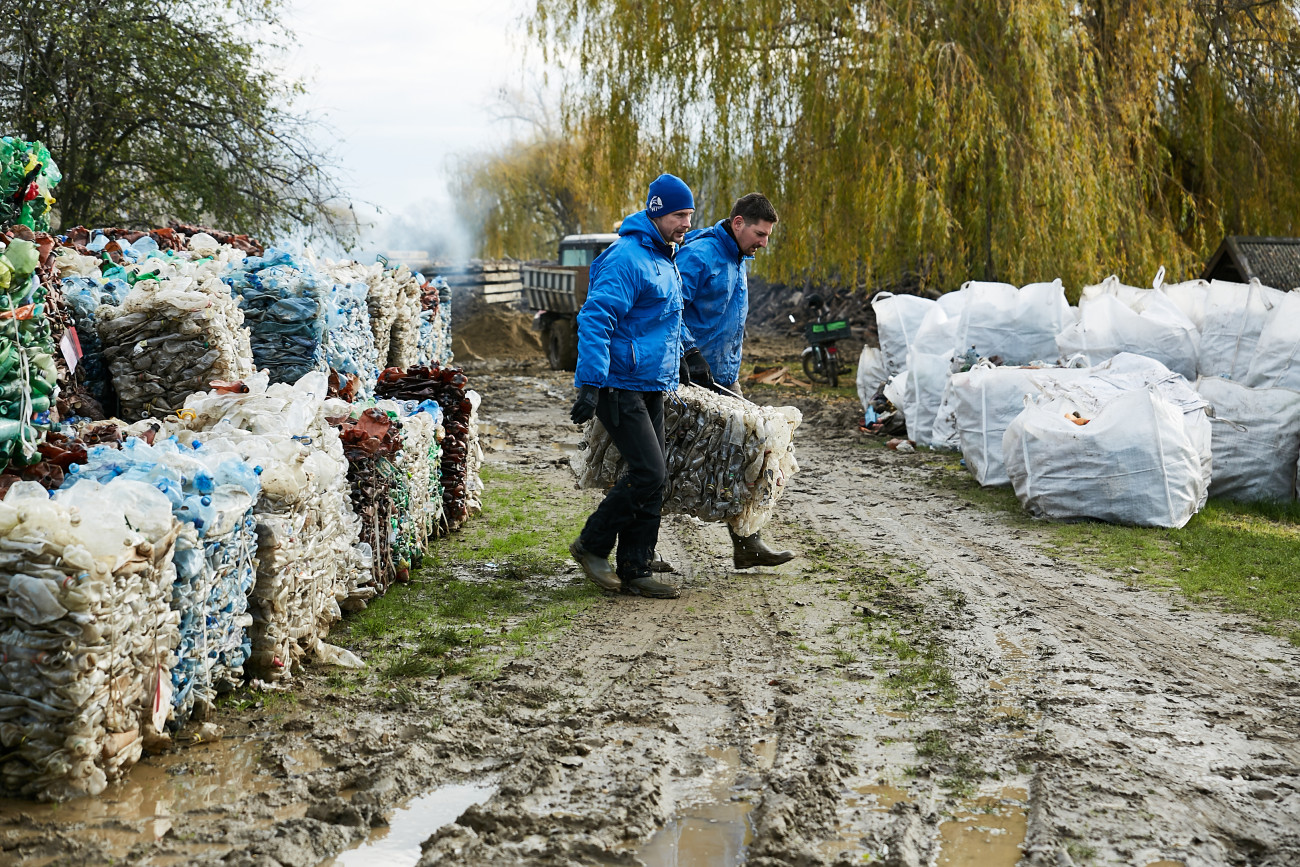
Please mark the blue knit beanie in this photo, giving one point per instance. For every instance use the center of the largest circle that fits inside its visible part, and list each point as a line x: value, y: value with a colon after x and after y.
x: 668, y: 193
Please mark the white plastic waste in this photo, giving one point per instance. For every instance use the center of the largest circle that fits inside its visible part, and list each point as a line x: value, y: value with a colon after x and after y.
x: 1276, y: 361
x: 1115, y: 318
x: 1256, y: 440
x: 1235, y: 315
x: 1133, y: 462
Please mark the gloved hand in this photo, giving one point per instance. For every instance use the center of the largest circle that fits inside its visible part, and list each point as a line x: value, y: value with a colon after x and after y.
x: 585, y: 406
x: 698, y: 368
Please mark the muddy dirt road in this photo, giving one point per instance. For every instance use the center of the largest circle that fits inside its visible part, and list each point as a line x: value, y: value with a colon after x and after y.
x: 928, y: 685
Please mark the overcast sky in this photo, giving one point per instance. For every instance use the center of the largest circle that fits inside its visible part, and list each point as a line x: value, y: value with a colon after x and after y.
x: 406, y: 85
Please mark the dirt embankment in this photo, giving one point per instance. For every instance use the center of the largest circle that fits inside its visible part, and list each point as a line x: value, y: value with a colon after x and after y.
x: 926, y: 684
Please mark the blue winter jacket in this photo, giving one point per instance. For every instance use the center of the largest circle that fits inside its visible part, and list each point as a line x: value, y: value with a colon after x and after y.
x: 715, y: 299
x: 629, y: 328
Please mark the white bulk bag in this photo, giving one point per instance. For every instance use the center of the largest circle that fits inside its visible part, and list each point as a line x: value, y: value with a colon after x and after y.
x: 897, y: 319
x: 1235, y: 314
x: 944, y: 434
x: 1276, y: 362
x: 1148, y: 324
x: 923, y: 383
x: 1256, y: 440
x: 1189, y: 297
x: 1020, y: 325
x: 871, y: 374
x: 1132, y: 463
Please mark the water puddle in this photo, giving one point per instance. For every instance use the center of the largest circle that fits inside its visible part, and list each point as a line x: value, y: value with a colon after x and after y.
x: 882, y: 796
x: 989, y: 833
x: 491, y: 437
x: 202, y: 778
x: 765, y: 753
x: 712, y: 832
x: 1166, y: 864
x: 398, y: 844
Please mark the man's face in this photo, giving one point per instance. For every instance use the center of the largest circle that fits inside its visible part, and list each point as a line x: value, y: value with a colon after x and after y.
x: 673, y: 226
x: 751, y: 236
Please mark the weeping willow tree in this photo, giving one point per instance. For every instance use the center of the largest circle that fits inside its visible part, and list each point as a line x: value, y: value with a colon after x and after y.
x: 942, y: 140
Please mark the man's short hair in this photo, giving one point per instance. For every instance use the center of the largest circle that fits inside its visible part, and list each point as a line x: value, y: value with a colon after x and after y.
x: 754, y: 207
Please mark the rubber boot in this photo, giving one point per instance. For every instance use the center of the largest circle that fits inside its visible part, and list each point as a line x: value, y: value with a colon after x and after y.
x: 644, y: 584
x: 658, y: 564
x: 595, y: 568
x: 749, y: 551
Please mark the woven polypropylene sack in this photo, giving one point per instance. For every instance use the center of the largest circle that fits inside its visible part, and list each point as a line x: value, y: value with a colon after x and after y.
x: 1018, y: 325
x: 1276, y: 362
x: 1256, y: 440
x: 897, y: 319
x: 1235, y: 315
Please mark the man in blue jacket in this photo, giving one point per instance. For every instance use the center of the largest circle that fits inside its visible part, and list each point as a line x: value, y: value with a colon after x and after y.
x: 629, y: 348
x: 715, y: 298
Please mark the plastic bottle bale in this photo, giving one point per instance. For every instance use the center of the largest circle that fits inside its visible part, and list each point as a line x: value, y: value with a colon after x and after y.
x: 28, y: 176
x: 371, y: 445
x: 309, y: 555
x: 435, y: 324
x: 393, y: 298
x: 171, y: 337
x: 729, y: 460
x: 420, y: 463
x: 212, y: 494
x: 87, y: 633
x: 461, y: 454
x: 285, y: 303
x: 349, y: 340
x: 28, y: 372
x: 85, y: 294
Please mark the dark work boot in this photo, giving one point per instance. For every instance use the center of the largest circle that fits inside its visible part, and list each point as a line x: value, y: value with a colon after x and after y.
x: 658, y: 564
x: 595, y: 568
x: 646, y: 585
x: 749, y: 551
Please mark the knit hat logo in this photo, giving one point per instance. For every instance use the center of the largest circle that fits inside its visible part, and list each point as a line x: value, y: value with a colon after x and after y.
x: 668, y: 194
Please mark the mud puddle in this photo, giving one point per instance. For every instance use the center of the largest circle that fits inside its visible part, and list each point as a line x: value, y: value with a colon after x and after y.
x: 397, y: 844
x: 715, y: 830
x: 990, y: 832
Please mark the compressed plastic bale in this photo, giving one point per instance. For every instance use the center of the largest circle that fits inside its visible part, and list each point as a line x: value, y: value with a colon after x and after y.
x: 1235, y: 316
x: 1132, y: 463
x: 1256, y: 440
x: 172, y: 336
x: 87, y: 633
x: 1016, y: 325
x: 1276, y: 360
x: 28, y: 176
x: 349, y: 340
x: 435, y: 324
x: 309, y: 559
x: 371, y: 445
x: 729, y: 460
x: 393, y: 297
x: 212, y: 494
x: 1142, y: 321
x: 284, y: 302
x: 29, y: 374
x: 461, y: 454
x: 897, y: 319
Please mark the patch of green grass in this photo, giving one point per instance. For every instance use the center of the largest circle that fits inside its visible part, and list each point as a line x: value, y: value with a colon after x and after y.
x: 1244, y: 557
x: 495, y: 586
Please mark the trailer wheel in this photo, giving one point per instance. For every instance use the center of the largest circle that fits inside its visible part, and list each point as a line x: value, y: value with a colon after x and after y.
x: 562, y: 345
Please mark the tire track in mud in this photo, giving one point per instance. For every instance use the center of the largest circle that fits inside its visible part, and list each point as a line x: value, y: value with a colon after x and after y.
x: 1154, y: 733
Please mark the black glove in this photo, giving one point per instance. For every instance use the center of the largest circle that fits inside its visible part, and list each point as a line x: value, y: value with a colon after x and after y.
x: 585, y: 406
x: 698, y: 368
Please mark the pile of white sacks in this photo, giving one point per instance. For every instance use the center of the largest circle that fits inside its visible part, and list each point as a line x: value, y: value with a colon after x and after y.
x: 1133, y: 407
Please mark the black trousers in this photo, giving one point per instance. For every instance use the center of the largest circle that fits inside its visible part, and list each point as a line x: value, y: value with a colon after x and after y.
x: 629, y: 514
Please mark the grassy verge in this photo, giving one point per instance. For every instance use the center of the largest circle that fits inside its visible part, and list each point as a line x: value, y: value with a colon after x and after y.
x: 1242, y: 557
x: 498, y: 588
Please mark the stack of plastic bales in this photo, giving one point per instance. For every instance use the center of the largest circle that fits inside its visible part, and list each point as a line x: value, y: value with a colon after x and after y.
x: 309, y: 559
x: 212, y: 493
x: 461, y: 455
x: 435, y: 324
x: 283, y: 301
x: 28, y: 375
x: 177, y: 330
x: 28, y: 176
x: 728, y: 459
x: 393, y: 298
x: 420, y: 461
x: 86, y: 290
x: 379, y: 494
x: 87, y: 633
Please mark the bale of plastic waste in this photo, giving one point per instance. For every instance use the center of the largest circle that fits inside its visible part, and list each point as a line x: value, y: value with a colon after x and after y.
x: 29, y: 375
x: 28, y: 176
x: 212, y: 494
x: 177, y: 330
x: 728, y: 459
x: 435, y: 324
x: 87, y: 632
x: 349, y: 340
x: 378, y: 493
x: 285, y: 303
x: 1276, y: 361
x: 421, y: 463
x: 1115, y: 318
x: 1018, y: 326
x: 393, y: 298
x: 1235, y: 316
x: 308, y: 558
x: 461, y: 454
x: 1256, y: 440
